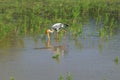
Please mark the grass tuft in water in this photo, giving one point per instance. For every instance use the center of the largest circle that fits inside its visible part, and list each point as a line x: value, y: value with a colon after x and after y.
x: 67, y: 77
x: 12, y: 78
x: 61, y: 77
x: 116, y: 60
x: 103, y: 32
x: 56, y: 56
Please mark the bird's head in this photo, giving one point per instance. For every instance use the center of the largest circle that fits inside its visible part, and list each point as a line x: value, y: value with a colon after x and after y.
x: 66, y: 25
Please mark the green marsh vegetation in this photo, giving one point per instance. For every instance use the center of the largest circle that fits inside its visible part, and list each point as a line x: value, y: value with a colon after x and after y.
x: 68, y: 76
x: 12, y: 78
x: 116, y: 60
x: 23, y: 17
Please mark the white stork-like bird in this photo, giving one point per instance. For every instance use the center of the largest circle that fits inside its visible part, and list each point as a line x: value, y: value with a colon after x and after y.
x: 56, y: 27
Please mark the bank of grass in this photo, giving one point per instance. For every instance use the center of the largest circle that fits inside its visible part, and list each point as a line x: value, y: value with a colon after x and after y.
x: 34, y: 16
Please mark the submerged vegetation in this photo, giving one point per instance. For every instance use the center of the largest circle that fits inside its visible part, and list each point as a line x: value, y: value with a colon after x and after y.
x: 12, y: 78
x: 116, y: 60
x: 67, y: 77
x: 34, y: 16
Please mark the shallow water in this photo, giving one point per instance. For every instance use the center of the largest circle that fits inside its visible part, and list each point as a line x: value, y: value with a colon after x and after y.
x: 86, y: 58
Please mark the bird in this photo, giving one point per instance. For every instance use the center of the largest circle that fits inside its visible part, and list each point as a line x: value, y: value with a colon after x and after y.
x: 56, y: 28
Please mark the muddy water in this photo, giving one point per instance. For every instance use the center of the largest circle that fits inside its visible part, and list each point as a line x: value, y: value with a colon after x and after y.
x: 86, y: 58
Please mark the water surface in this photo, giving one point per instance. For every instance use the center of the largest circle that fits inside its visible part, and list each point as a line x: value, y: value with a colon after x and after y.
x: 87, y: 58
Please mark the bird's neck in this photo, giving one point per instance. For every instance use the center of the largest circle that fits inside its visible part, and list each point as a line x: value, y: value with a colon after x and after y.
x: 49, y: 31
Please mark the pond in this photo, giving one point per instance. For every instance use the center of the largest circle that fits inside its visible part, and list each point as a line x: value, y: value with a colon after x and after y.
x: 87, y: 58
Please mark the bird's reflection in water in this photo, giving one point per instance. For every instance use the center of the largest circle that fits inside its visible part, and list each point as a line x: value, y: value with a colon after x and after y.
x: 58, y: 50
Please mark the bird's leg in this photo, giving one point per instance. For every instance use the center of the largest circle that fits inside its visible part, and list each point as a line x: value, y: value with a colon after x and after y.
x: 56, y: 36
x: 48, y: 34
x: 64, y: 33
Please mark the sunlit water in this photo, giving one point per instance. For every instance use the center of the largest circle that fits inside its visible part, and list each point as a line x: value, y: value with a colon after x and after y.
x: 87, y: 58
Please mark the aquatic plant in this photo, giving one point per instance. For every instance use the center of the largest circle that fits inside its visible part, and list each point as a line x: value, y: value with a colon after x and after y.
x: 75, y: 30
x: 108, y: 25
x: 103, y: 32
x: 116, y: 59
x: 55, y: 56
x: 67, y: 77
x: 33, y: 18
x: 12, y: 78
x: 61, y: 77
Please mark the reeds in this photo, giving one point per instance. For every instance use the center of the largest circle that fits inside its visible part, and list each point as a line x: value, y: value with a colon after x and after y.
x: 109, y: 26
x: 33, y: 17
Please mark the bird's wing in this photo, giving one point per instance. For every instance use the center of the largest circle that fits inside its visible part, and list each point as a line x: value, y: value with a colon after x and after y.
x: 57, y: 25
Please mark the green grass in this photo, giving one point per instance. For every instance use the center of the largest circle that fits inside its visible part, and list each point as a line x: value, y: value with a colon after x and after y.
x: 32, y: 17
x: 116, y: 59
x: 12, y: 78
x: 68, y: 76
